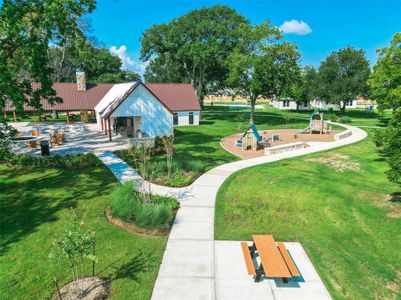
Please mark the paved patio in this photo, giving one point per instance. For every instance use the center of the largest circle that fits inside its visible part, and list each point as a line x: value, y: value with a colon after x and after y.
x: 91, y: 140
x: 233, y: 282
x: 192, y: 261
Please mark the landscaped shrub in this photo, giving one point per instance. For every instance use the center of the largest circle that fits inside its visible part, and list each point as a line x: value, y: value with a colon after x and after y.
x: 121, y: 201
x: 132, y: 207
x: 333, y: 118
x: 345, y: 120
x: 79, y: 161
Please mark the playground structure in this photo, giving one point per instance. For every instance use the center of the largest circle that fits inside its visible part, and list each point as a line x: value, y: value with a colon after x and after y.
x: 317, y: 124
x: 251, y: 139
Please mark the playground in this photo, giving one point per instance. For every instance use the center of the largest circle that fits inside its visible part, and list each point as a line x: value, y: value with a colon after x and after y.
x: 254, y: 143
x: 281, y: 137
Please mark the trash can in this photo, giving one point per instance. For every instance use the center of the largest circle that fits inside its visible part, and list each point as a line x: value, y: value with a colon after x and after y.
x: 44, y: 148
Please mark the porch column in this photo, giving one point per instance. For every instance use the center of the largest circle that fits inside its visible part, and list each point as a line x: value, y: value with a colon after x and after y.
x: 15, y: 116
x: 5, y: 116
x: 101, y: 122
x: 34, y: 116
x: 108, y: 121
x: 105, y: 126
x: 68, y: 117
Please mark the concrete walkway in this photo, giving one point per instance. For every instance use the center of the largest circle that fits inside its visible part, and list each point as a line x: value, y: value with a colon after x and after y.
x: 188, y: 269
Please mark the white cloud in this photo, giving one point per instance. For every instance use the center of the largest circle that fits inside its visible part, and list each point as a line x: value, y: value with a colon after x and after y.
x: 128, y: 62
x: 295, y: 27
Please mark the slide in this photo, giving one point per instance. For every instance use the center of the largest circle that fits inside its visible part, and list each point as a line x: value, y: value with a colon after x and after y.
x: 256, y: 133
x: 305, y: 129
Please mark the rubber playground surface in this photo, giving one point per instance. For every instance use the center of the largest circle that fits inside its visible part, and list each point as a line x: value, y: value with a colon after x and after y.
x: 286, y: 136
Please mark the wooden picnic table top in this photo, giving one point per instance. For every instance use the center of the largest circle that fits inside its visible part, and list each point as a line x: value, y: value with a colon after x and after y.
x: 270, y: 256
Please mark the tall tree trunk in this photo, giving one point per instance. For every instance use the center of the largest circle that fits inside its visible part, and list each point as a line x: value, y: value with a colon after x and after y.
x: 252, y: 115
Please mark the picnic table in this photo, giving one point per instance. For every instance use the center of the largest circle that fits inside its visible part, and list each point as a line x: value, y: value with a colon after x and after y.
x: 275, y: 261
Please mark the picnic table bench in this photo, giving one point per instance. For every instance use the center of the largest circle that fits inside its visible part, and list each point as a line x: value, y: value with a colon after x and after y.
x: 275, y: 261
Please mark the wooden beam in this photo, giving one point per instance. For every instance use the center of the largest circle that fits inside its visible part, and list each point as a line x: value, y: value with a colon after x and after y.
x: 34, y: 116
x: 5, y: 116
x: 102, y: 121
x: 105, y: 126
x: 109, y: 129
x: 68, y: 117
x: 15, y: 116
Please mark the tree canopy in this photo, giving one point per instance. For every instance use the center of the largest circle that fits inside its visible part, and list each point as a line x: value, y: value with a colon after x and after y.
x: 304, y: 86
x: 192, y: 48
x: 343, y: 76
x: 259, y: 65
x: 385, y: 83
x: 27, y: 28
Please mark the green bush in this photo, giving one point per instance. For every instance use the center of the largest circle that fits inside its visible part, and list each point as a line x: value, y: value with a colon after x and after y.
x: 79, y: 161
x: 121, y: 201
x: 128, y: 205
x: 345, y: 120
x: 333, y: 118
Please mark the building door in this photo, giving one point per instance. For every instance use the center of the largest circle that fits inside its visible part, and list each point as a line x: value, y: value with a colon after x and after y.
x: 191, y: 118
x: 175, y: 119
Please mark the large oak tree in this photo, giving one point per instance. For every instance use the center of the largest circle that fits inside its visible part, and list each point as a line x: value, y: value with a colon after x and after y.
x: 27, y: 29
x: 192, y: 48
x: 260, y: 65
x: 343, y: 75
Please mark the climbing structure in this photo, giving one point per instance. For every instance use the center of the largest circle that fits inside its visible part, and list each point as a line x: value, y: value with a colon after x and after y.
x: 317, y: 124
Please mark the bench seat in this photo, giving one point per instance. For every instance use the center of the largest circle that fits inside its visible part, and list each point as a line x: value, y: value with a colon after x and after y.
x: 248, y: 259
x: 288, y: 260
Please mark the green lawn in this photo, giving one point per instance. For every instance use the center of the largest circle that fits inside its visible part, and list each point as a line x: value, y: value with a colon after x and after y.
x: 199, y: 146
x: 340, y: 212
x: 359, y: 117
x: 33, y: 206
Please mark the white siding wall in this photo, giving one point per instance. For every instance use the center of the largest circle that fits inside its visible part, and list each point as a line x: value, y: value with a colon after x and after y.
x: 155, y: 118
x: 280, y: 104
x: 183, y: 117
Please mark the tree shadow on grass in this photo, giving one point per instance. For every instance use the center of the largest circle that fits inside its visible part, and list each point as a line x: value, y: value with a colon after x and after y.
x: 31, y: 197
x: 131, y: 268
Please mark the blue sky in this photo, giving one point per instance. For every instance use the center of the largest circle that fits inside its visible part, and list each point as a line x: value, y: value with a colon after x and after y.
x: 332, y: 24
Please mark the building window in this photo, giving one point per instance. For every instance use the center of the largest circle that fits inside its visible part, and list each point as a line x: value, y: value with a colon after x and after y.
x: 175, y: 119
x: 191, y: 118
x: 286, y: 103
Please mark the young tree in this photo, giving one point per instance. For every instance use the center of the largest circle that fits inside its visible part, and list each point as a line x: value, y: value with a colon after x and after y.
x: 260, y: 66
x: 168, y: 144
x: 27, y: 28
x: 343, y: 76
x: 142, y: 155
x: 75, y: 245
x: 385, y: 83
x: 195, y: 46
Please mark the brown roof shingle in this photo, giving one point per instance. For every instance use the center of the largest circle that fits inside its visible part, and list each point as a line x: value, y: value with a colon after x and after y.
x: 176, y: 96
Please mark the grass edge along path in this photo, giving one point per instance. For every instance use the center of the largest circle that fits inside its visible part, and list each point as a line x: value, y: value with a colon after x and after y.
x: 34, y: 203
x: 335, y: 203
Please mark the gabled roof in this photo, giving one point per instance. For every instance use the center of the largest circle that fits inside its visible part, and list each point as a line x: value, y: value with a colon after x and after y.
x: 176, y: 96
x: 114, y: 97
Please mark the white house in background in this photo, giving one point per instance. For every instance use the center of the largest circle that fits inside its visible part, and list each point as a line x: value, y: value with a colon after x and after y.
x: 288, y: 104
x: 147, y: 110
x: 319, y: 104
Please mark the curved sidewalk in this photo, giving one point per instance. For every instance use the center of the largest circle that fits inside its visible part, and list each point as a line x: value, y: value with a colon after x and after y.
x: 188, y: 266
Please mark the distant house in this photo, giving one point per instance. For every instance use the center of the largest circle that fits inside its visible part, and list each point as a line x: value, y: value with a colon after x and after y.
x: 288, y: 104
x: 151, y: 109
x: 323, y: 105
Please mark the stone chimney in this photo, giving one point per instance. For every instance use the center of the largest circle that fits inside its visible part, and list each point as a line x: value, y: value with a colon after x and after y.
x: 81, y: 81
